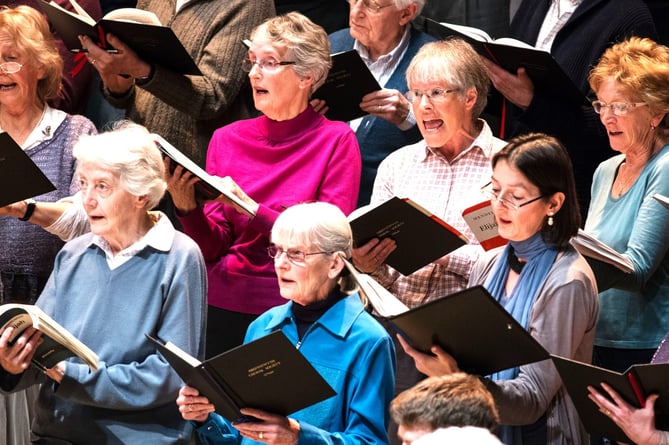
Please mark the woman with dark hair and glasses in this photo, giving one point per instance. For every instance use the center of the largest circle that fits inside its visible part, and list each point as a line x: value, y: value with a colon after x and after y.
x: 631, y: 81
x: 542, y: 282
x: 326, y: 320
x: 290, y: 155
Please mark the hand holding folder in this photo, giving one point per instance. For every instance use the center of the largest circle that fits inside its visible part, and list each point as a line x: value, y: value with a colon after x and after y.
x: 633, y: 386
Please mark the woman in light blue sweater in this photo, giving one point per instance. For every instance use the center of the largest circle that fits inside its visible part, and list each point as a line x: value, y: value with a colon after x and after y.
x: 632, y: 86
x: 133, y: 274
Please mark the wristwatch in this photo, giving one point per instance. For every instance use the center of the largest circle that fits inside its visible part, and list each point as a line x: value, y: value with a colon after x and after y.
x: 30, y: 209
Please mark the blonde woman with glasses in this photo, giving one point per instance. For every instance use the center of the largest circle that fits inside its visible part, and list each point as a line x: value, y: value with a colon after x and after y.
x: 632, y: 85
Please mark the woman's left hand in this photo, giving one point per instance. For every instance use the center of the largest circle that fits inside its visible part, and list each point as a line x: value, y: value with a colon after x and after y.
x: 390, y: 105
x: 637, y: 424
x: 441, y: 363
x: 272, y: 428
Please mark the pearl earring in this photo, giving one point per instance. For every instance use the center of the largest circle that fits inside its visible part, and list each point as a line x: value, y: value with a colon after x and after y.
x: 550, y: 221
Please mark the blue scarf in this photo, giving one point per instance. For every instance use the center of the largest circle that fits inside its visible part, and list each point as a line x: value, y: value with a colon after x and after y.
x: 540, y: 258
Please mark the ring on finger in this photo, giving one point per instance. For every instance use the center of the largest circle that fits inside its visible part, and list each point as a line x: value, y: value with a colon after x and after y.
x: 92, y: 61
x: 260, y: 435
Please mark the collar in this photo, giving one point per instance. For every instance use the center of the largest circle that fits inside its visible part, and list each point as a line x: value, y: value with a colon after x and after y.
x: 483, y: 142
x: 393, y: 57
x: 338, y: 320
x: 277, y: 131
x: 160, y: 237
x: 45, y: 128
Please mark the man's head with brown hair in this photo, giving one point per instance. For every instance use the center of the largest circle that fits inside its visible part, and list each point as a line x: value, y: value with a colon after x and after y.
x: 439, y: 402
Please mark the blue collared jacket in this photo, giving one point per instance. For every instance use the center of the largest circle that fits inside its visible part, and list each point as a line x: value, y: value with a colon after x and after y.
x: 356, y: 357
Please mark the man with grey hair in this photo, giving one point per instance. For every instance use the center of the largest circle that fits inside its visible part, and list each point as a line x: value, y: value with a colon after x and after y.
x: 380, y: 31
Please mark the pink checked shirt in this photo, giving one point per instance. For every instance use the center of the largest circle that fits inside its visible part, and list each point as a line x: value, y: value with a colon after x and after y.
x: 445, y: 189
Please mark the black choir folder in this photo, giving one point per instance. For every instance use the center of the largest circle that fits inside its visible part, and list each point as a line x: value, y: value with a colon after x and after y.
x: 153, y: 43
x: 57, y: 344
x: 20, y: 178
x: 269, y: 373
x: 474, y: 328
x: 511, y: 54
x: 633, y: 385
x: 348, y: 81
x: 206, y: 188
x: 421, y: 237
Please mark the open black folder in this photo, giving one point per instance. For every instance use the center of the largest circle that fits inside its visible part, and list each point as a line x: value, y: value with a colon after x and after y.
x: 268, y: 373
x: 474, y: 328
x: 206, y: 188
x: 511, y: 54
x: 20, y: 178
x: 421, y: 236
x: 348, y: 81
x: 154, y: 44
x: 633, y: 385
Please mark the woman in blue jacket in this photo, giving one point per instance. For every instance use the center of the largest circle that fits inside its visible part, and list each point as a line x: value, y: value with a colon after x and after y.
x: 327, y: 322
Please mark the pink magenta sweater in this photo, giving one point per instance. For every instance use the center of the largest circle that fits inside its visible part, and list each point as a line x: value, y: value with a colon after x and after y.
x: 278, y: 164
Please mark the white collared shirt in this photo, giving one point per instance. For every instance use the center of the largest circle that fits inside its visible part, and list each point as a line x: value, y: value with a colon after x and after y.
x: 160, y: 237
x: 557, y: 15
x: 384, y: 67
x: 43, y: 131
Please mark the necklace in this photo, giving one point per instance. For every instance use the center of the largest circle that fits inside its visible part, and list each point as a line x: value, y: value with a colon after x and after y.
x: 625, y: 179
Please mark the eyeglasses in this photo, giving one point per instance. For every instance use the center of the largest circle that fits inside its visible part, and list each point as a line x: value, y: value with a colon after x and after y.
x: 435, y: 95
x: 369, y: 6
x: 509, y: 203
x: 10, y: 67
x: 296, y: 257
x: 264, y: 64
x: 617, y: 108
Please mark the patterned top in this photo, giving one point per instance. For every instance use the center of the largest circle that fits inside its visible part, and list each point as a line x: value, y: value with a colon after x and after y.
x: 446, y: 189
x: 27, y: 250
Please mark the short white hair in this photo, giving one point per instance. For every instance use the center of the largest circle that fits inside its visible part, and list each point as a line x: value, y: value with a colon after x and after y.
x: 456, y: 435
x: 129, y: 152
x: 401, y: 4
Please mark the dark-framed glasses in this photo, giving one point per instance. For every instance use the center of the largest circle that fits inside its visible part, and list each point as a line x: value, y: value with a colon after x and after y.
x: 510, y: 203
x: 617, y: 108
x: 370, y: 6
x: 269, y: 64
x: 10, y: 67
x: 435, y: 95
x: 295, y: 256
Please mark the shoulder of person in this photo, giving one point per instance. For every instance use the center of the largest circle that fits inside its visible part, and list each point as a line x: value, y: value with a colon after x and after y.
x: 341, y: 40
x: 421, y: 37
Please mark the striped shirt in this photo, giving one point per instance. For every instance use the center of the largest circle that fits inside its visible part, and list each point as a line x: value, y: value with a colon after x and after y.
x: 557, y: 15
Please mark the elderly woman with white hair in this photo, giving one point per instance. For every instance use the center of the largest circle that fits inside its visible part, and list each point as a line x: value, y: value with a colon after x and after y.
x: 326, y: 320
x: 132, y: 274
